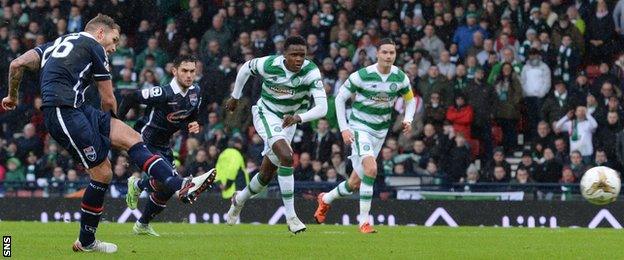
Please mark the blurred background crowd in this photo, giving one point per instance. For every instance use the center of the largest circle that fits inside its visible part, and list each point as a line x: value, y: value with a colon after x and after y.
x: 509, y: 91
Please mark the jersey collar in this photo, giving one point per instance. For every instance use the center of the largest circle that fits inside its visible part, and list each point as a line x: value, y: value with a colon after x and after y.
x: 177, y: 89
x: 384, y: 77
x: 88, y: 35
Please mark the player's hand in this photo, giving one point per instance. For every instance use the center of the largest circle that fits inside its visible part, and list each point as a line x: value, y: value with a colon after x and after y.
x: 347, y: 137
x: 9, y: 103
x: 231, y: 104
x: 407, y: 128
x: 291, y: 120
x: 193, y: 127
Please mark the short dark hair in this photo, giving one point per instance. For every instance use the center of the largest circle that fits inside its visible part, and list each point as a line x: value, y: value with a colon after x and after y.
x: 386, y: 41
x: 294, y: 40
x: 184, y: 58
x: 102, y: 19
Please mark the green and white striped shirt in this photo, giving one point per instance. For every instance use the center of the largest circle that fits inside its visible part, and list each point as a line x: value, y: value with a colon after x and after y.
x: 375, y: 95
x: 285, y: 92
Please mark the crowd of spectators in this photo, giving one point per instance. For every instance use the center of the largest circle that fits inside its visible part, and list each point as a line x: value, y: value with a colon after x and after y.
x: 493, y: 78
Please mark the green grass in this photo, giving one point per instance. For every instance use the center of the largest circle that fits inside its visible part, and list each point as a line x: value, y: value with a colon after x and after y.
x: 33, y: 240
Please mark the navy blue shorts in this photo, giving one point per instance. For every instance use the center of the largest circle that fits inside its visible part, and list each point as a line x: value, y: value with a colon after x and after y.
x: 83, y: 131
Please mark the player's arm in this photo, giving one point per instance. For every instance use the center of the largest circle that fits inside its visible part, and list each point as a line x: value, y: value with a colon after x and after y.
x: 107, y: 96
x: 249, y: 68
x: 103, y: 79
x: 194, y: 127
x: 30, y: 61
x: 149, y: 96
x: 318, y: 111
x: 410, y: 107
x: 345, y: 92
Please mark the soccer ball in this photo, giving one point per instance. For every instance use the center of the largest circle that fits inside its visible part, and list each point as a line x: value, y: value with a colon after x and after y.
x: 600, y: 185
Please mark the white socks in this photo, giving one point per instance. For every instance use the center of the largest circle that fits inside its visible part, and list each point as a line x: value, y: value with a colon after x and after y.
x: 255, y: 186
x: 342, y: 190
x: 287, y: 187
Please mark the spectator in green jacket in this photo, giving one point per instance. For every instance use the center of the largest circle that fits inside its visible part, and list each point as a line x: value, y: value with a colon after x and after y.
x: 152, y: 48
x: 15, y: 176
x: 217, y: 32
x: 508, y: 57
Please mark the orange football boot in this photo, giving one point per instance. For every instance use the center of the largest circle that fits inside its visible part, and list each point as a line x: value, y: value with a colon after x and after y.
x: 367, y: 228
x: 322, y: 209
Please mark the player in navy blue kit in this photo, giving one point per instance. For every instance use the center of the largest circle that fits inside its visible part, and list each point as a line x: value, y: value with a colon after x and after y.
x: 68, y: 66
x: 169, y: 108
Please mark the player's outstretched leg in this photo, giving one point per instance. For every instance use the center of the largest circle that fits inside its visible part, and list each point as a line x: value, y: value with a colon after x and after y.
x: 366, y: 193
x: 124, y: 137
x: 257, y: 184
x: 325, y: 200
x: 92, y: 208
x: 286, y: 180
x: 155, y: 205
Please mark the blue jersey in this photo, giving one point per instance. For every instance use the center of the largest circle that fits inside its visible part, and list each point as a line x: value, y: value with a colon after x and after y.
x: 168, y: 111
x: 68, y: 66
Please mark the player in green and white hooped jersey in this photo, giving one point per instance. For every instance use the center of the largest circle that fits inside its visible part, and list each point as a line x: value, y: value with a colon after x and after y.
x: 287, y: 82
x: 375, y: 88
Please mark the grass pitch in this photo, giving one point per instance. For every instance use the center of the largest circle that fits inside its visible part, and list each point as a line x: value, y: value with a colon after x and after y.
x: 32, y: 240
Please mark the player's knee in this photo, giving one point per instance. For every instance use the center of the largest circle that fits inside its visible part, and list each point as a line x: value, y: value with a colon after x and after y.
x: 266, y: 177
x: 286, y: 160
x: 370, y: 170
x: 354, y: 184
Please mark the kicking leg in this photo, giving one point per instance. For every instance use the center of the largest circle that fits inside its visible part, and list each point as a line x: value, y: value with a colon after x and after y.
x: 343, y: 189
x: 257, y: 184
x: 124, y: 137
x: 92, y: 208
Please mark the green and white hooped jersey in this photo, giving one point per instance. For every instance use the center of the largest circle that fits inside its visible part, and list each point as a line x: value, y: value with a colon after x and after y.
x: 375, y: 95
x: 285, y: 92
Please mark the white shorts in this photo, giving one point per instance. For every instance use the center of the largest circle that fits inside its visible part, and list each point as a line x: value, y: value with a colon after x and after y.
x: 269, y: 127
x: 364, y: 145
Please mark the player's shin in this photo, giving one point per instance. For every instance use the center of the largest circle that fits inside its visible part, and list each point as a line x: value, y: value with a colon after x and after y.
x: 157, y: 203
x: 255, y: 186
x: 340, y: 191
x: 155, y: 166
x: 92, y: 208
x: 366, y: 195
x: 287, y: 186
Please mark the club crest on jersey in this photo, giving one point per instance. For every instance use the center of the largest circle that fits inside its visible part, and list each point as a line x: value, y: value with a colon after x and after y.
x: 193, y: 99
x: 90, y: 153
x: 295, y: 81
x: 277, y: 129
x: 393, y: 86
x: 366, y: 147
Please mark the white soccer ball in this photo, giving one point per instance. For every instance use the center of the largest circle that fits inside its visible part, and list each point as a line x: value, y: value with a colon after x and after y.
x: 600, y: 185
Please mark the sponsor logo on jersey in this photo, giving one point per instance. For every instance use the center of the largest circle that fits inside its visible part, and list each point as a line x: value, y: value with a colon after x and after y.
x: 282, y: 91
x: 176, y: 117
x: 381, y: 97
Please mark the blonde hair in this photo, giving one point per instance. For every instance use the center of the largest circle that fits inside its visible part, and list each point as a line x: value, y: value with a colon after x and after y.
x: 102, y: 20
